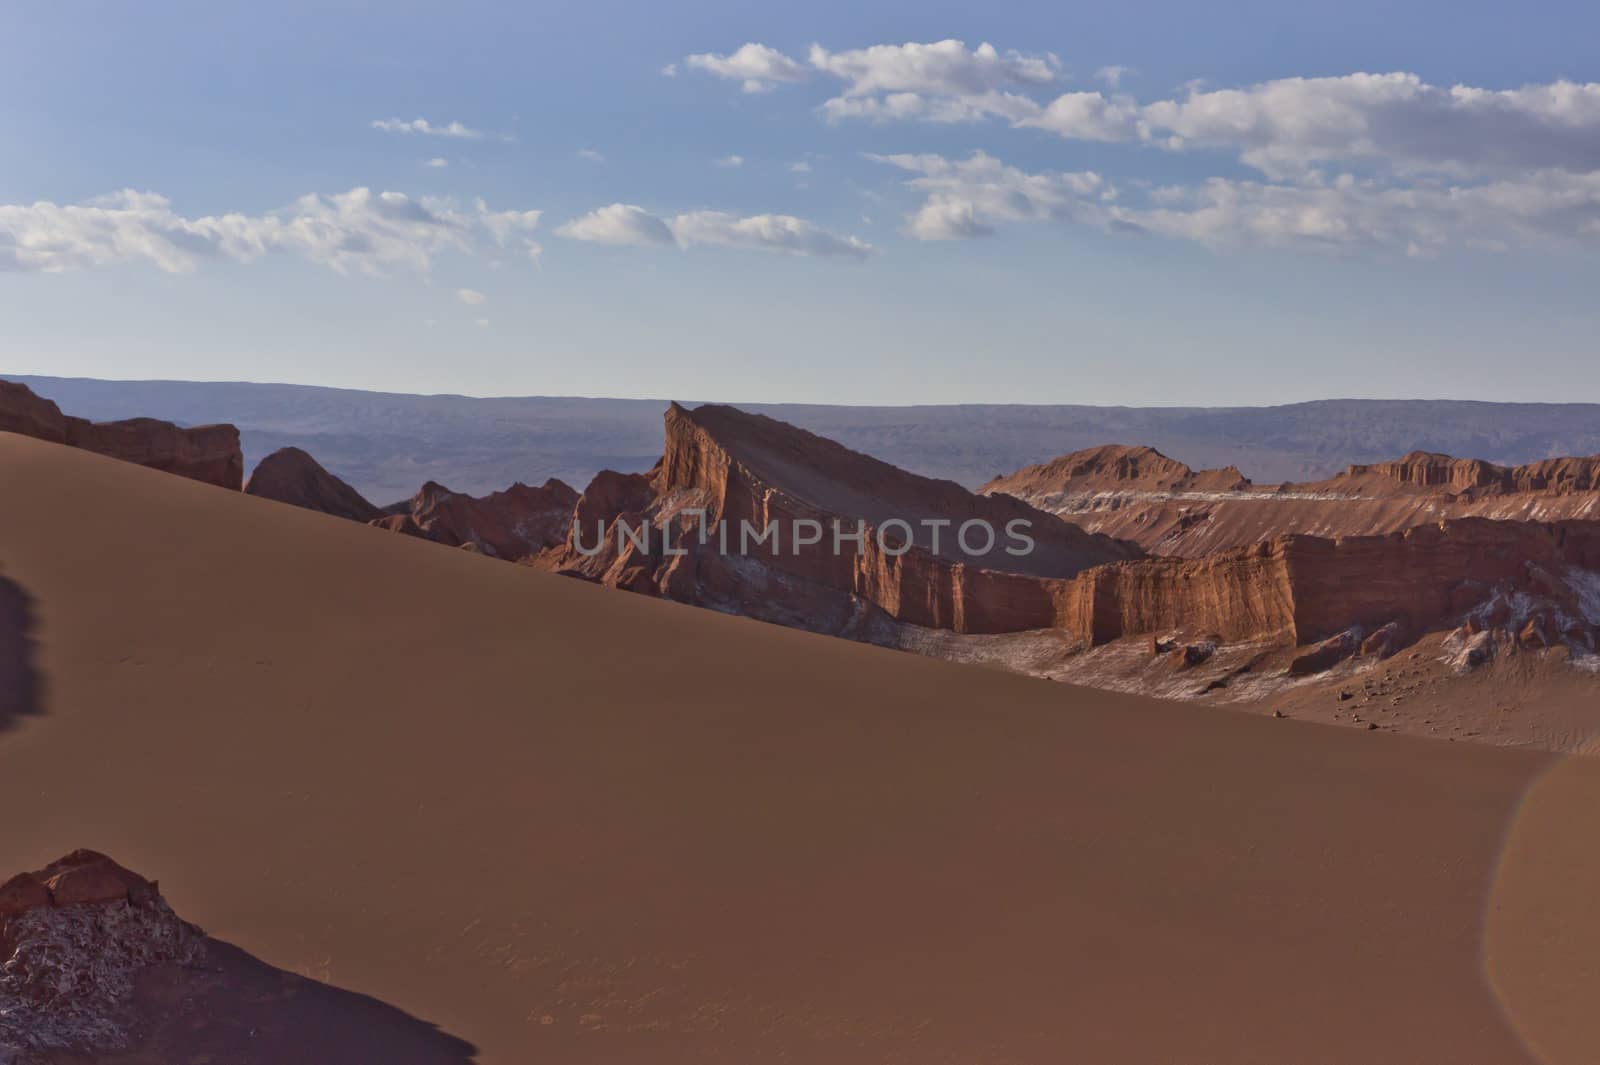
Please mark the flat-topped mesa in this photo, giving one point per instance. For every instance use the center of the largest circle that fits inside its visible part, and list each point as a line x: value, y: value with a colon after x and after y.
x: 1141, y: 495
x: 1477, y: 478
x: 73, y: 936
x: 899, y: 546
x: 1114, y: 468
x: 513, y: 524
x: 208, y: 453
x: 290, y: 475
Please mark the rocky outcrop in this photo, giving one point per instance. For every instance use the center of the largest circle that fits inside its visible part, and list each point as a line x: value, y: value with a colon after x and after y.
x: 208, y: 453
x: 676, y: 532
x: 1477, y: 479
x: 1114, y: 467
x: 515, y: 524
x: 920, y: 550
x: 1141, y: 495
x: 290, y: 475
x: 73, y: 937
x: 1306, y: 589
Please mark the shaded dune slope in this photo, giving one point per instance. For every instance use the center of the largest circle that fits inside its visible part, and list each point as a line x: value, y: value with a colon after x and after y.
x: 570, y: 826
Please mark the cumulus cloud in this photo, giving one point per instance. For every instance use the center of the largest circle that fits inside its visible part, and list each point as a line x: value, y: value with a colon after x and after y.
x: 1286, y: 126
x: 1088, y: 116
x: 755, y: 66
x: 943, y: 68
x: 941, y: 81
x: 1361, y: 159
x: 438, y: 162
x: 590, y: 155
x: 972, y: 197
x: 472, y: 297
x: 356, y: 231
x: 966, y: 198
x: 764, y: 232
x: 1422, y: 218
x: 619, y: 223
x: 427, y: 129
x: 1394, y: 122
x: 626, y: 224
x: 728, y: 162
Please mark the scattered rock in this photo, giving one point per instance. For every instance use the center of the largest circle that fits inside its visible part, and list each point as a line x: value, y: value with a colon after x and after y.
x: 73, y: 936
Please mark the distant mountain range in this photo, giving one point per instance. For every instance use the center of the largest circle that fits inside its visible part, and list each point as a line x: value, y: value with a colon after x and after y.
x: 385, y: 444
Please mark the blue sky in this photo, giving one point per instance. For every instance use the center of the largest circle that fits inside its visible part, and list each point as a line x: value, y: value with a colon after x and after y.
x: 1136, y: 203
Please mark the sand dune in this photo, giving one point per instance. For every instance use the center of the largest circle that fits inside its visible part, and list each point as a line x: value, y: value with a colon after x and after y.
x: 570, y: 826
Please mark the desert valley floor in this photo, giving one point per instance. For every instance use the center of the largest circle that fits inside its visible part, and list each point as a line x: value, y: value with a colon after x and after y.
x: 522, y: 818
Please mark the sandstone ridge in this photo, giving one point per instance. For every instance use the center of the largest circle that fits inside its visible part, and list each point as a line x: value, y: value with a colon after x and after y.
x: 1169, y: 509
x: 208, y: 453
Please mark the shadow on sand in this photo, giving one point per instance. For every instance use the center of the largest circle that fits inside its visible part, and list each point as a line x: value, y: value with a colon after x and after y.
x: 21, y: 688
x: 234, y: 1008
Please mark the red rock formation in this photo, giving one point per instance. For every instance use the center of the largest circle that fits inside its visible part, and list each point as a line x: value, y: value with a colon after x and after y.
x: 1476, y: 478
x: 290, y: 475
x: 1114, y: 467
x: 1140, y: 495
x: 725, y: 471
x: 514, y: 524
x: 73, y: 936
x: 1290, y: 591
x: 1301, y: 589
x: 208, y: 453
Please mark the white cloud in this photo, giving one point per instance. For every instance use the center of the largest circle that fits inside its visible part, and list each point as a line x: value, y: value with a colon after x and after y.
x: 438, y: 162
x: 944, y: 68
x: 626, y: 224
x: 757, y: 67
x: 619, y: 223
x: 765, y: 232
x: 966, y: 198
x: 972, y: 197
x: 1089, y: 116
x: 1418, y: 219
x: 471, y: 296
x: 799, y: 167
x: 590, y: 155
x: 940, y: 82
x: 728, y: 162
x: 669, y: 71
x: 1396, y: 121
x: 359, y: 230
x: 428, y: 129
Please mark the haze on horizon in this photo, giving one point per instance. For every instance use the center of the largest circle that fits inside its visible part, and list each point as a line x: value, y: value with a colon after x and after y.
x: 933, y: 204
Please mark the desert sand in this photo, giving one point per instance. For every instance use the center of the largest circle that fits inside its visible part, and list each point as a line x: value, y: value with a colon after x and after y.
x: 565, y: 825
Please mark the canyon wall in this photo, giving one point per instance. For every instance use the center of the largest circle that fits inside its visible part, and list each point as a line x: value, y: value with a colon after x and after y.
x: 1141, y: 495
x: 1289, y: 589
